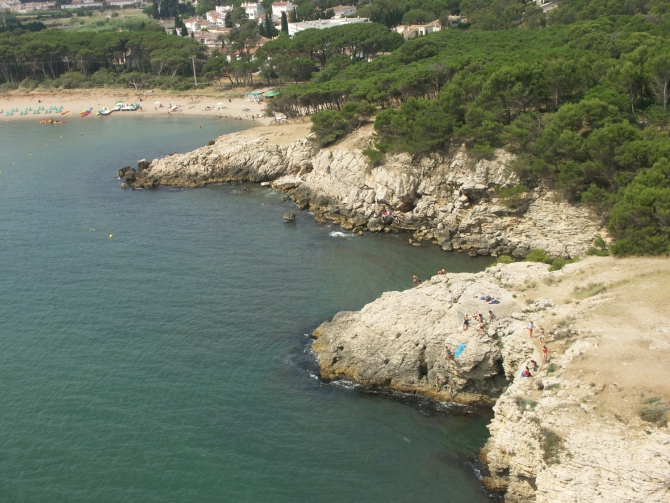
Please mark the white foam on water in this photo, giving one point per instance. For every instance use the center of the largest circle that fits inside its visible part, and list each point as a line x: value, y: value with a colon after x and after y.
x: 338, y: 234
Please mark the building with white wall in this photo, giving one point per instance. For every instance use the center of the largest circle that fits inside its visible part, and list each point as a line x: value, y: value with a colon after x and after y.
x: 343, y: 10
x: 322, y: 24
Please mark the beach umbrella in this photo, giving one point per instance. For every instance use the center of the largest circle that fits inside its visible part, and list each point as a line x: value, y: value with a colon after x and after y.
x: 120, y: 101
x: 157, y: 103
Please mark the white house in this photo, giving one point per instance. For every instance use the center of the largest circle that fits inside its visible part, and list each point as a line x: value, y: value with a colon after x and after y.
x: 223, y: 9
x: 254, y: 10
x: 78, y: 4
x: 322, y: 24
x: 418, y: 30
x: 192, y: 24
x: 279, y: 7
x: 122, y: 3
x: 343, y: 10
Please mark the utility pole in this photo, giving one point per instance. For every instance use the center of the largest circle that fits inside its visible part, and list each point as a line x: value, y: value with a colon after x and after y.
x: 195, y: 78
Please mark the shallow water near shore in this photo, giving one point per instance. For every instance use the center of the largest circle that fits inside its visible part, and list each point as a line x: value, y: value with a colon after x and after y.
x: 171, y: 362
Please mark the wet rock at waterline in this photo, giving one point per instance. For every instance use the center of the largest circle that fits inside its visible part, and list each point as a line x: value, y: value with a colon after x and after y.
x: 449, y: 200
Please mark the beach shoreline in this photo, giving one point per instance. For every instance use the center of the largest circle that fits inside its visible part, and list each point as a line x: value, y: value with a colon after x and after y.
x: 154, y: 104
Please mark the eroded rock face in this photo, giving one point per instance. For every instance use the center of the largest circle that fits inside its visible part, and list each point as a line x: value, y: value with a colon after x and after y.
x: 446, y: 200
x: 400, y: 340
x: 549, y: 441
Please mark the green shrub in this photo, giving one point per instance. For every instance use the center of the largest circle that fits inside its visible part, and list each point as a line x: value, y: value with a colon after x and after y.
x: 551, y: 444
x: 599, y: 249
x: 375, y: 156
x: 538, y: 255
x: 512, y: 196
x: 552, y: 368
x: 115, y: 14
x: 654, y: 410
x: 28, y: 84
x: 329, y: 126
x: 503, y: 259
x: 640, y: 220
x: 557, y: 264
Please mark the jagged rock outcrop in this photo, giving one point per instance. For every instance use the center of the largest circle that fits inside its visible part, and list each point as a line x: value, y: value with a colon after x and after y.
x: 400, y: 340
x: 564, y: 435
x: 446, y: 200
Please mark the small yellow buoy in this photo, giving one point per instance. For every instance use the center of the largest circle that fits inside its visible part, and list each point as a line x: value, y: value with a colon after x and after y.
x: 31, y: 154
x: 110, y: 236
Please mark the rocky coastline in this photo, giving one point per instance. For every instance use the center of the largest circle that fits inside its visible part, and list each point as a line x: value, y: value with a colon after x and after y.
x: 569, y: 433
x: 562, y: 435
x: 449, y: 201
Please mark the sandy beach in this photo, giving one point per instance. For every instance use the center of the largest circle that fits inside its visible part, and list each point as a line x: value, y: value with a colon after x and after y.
x: 154, y: 103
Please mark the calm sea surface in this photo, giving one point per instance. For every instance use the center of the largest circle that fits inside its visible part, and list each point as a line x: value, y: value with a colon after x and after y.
x: 170, y: 363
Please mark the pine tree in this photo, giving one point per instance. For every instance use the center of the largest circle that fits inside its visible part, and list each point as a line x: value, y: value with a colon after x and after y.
x: 184, y: 31
x: 293, y: 17
x: 284, y: 22
x: 228, y: 20
x: 261, y: 30
x: 165, y: 9
x: 173, y: 6
x: 270, y: 30
x: 154, y: 10
x: 177, y: 22
x: 174, y: 31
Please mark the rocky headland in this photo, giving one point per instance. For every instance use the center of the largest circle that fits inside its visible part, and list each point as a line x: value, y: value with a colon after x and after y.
x: 587, y: 425
x: 448, y: 200
x: 590, y: 424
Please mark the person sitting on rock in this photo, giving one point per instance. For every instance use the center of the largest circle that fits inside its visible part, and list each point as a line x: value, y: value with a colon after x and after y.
x: 466, y: 322
x: 450, y: 354
x: 534, y: 364
x: 415, y: 279
x: 526, y: 373
x: 482, y: 329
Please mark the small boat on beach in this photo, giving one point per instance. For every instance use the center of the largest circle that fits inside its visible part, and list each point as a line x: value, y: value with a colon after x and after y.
x: 86, y: 112
x: 130, y: 108
x: 105, y: 111
x: 66, y: 112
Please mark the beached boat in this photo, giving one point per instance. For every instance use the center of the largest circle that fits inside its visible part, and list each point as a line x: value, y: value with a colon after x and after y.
x: 86, y: 112
x: 105, y: 111
x: 129, y: 108
x: 66, y: 112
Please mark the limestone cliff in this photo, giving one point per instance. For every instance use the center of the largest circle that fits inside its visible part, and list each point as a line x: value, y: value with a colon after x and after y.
x: 584, y: 427
x: 447, y: 200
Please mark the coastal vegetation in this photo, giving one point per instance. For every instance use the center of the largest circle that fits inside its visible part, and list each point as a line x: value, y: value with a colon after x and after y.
x: 579, y: 94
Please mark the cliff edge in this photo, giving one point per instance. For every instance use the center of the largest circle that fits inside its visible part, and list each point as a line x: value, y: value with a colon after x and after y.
x: 448, y: 200
x: 589, y: 424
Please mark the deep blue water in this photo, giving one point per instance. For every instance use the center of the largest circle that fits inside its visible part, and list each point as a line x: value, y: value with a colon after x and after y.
x: 170, y: 363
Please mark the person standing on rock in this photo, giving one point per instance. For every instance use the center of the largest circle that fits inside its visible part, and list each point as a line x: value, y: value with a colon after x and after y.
x: 415, y: 279
x: 530, y: 329
x: 466, y: 322
x: 545, y: 354
x: 491, y: 316
x: 542, y: 335
x: 450, y: 390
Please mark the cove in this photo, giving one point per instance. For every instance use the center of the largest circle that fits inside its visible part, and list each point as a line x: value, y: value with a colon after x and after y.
x: 170, y: 363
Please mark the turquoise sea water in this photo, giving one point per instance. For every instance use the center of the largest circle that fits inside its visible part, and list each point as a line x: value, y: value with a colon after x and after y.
x: 170, y: 363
